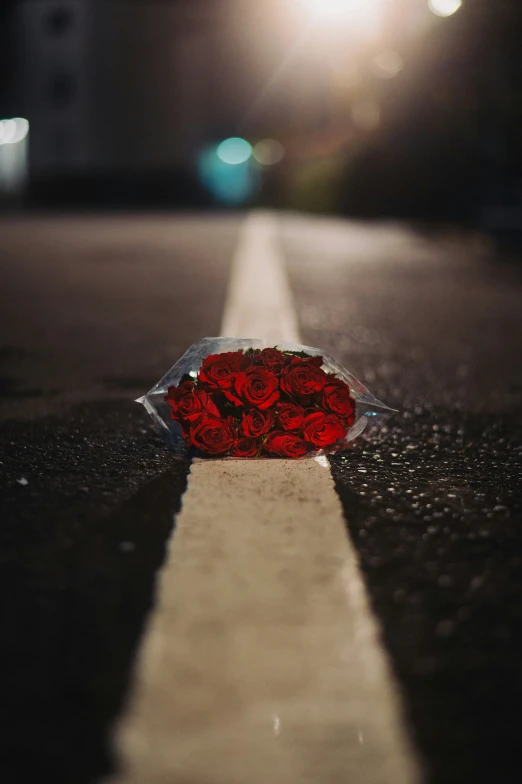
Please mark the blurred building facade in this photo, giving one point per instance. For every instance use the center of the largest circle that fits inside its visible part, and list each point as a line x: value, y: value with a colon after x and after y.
x: 128, y: 87
x: 114, y: 85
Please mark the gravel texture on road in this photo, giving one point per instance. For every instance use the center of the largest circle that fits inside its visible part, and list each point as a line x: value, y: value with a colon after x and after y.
x: 87, y: 513
x: 433, y: 325
x: 92, y: 313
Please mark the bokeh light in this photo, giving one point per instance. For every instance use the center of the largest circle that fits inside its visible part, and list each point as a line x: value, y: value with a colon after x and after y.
x: 267, y: 152
x: 387, y: 64
x: 231, y: 182
x: 14, y: 130
x: 7, y: 131
x: 444, y: 7
x: 234, y: 151
x: 13, y: 156
x: 22, y: 129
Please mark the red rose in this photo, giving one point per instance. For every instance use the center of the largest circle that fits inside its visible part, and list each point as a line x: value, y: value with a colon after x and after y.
x: 336, y: 397
x: 212, y: 435
x: 303, y: 377
x: 323, y: 429
x: 290, y: 416
x: 257, y: 422
x: 285, y: 444
x: 219, y: 370
x: 246, y: 447
x: 188, y: 402
x: 271, y: 358
x: 257, y: 386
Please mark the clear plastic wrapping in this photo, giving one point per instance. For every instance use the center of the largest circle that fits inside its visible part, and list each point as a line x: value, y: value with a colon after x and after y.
x: 241, y: 398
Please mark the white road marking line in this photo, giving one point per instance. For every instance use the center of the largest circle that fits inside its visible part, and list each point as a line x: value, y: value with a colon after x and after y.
x: 259, y: 297
x: 262, y: 661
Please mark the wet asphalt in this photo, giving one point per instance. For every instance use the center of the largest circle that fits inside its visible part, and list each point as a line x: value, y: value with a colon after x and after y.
x: 93, y: 311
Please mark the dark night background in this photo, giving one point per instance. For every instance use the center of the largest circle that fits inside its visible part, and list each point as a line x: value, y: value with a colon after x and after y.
x: 446, y: 145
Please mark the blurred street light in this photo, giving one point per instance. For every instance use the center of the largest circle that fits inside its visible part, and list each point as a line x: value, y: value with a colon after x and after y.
x: 234, y: 150
x: 268, y: 152
x: 444, y: 7
x: 13, y: 155
x: 13, y: 131
x: 7, y: 131
x: 228, y: 171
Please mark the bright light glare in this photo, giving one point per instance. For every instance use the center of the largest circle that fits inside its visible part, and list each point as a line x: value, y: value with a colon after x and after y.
x: 387, y: 64
x: 444, y: 7
x: 8, y: 131
x: 268, y: 152
x: 13, y: 131
x: 333, y: 12
x: 22, y: 129
x: 234, y: 151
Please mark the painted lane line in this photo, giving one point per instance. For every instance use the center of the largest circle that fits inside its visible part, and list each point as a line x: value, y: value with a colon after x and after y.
x: 262, y: 661
x: 259, y: 302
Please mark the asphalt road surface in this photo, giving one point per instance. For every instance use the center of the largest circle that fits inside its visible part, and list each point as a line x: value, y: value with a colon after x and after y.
x: 94, y: 310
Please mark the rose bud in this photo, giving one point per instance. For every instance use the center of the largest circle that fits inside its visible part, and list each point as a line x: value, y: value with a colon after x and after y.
x: 290, y: 416
x: 285, y: 444
x: 303, y: 377
x: 271, y: 358
x: 188, y: 402
x: 322, y: 429
x: 246, y: 447
x: 258, y: 386
x: 257, y: 422
x: 212, y: 435
x: 336, y: 398
x: 219, y: 370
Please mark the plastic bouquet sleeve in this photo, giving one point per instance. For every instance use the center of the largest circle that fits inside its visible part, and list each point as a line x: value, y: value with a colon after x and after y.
x: 240, y: 398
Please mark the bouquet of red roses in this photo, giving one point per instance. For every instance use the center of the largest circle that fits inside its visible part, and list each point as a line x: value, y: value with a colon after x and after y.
x: 261, y: 403
x: 257, y: 401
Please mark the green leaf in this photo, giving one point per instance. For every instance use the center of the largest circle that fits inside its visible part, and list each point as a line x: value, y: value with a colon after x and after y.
x: 301, y: 354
